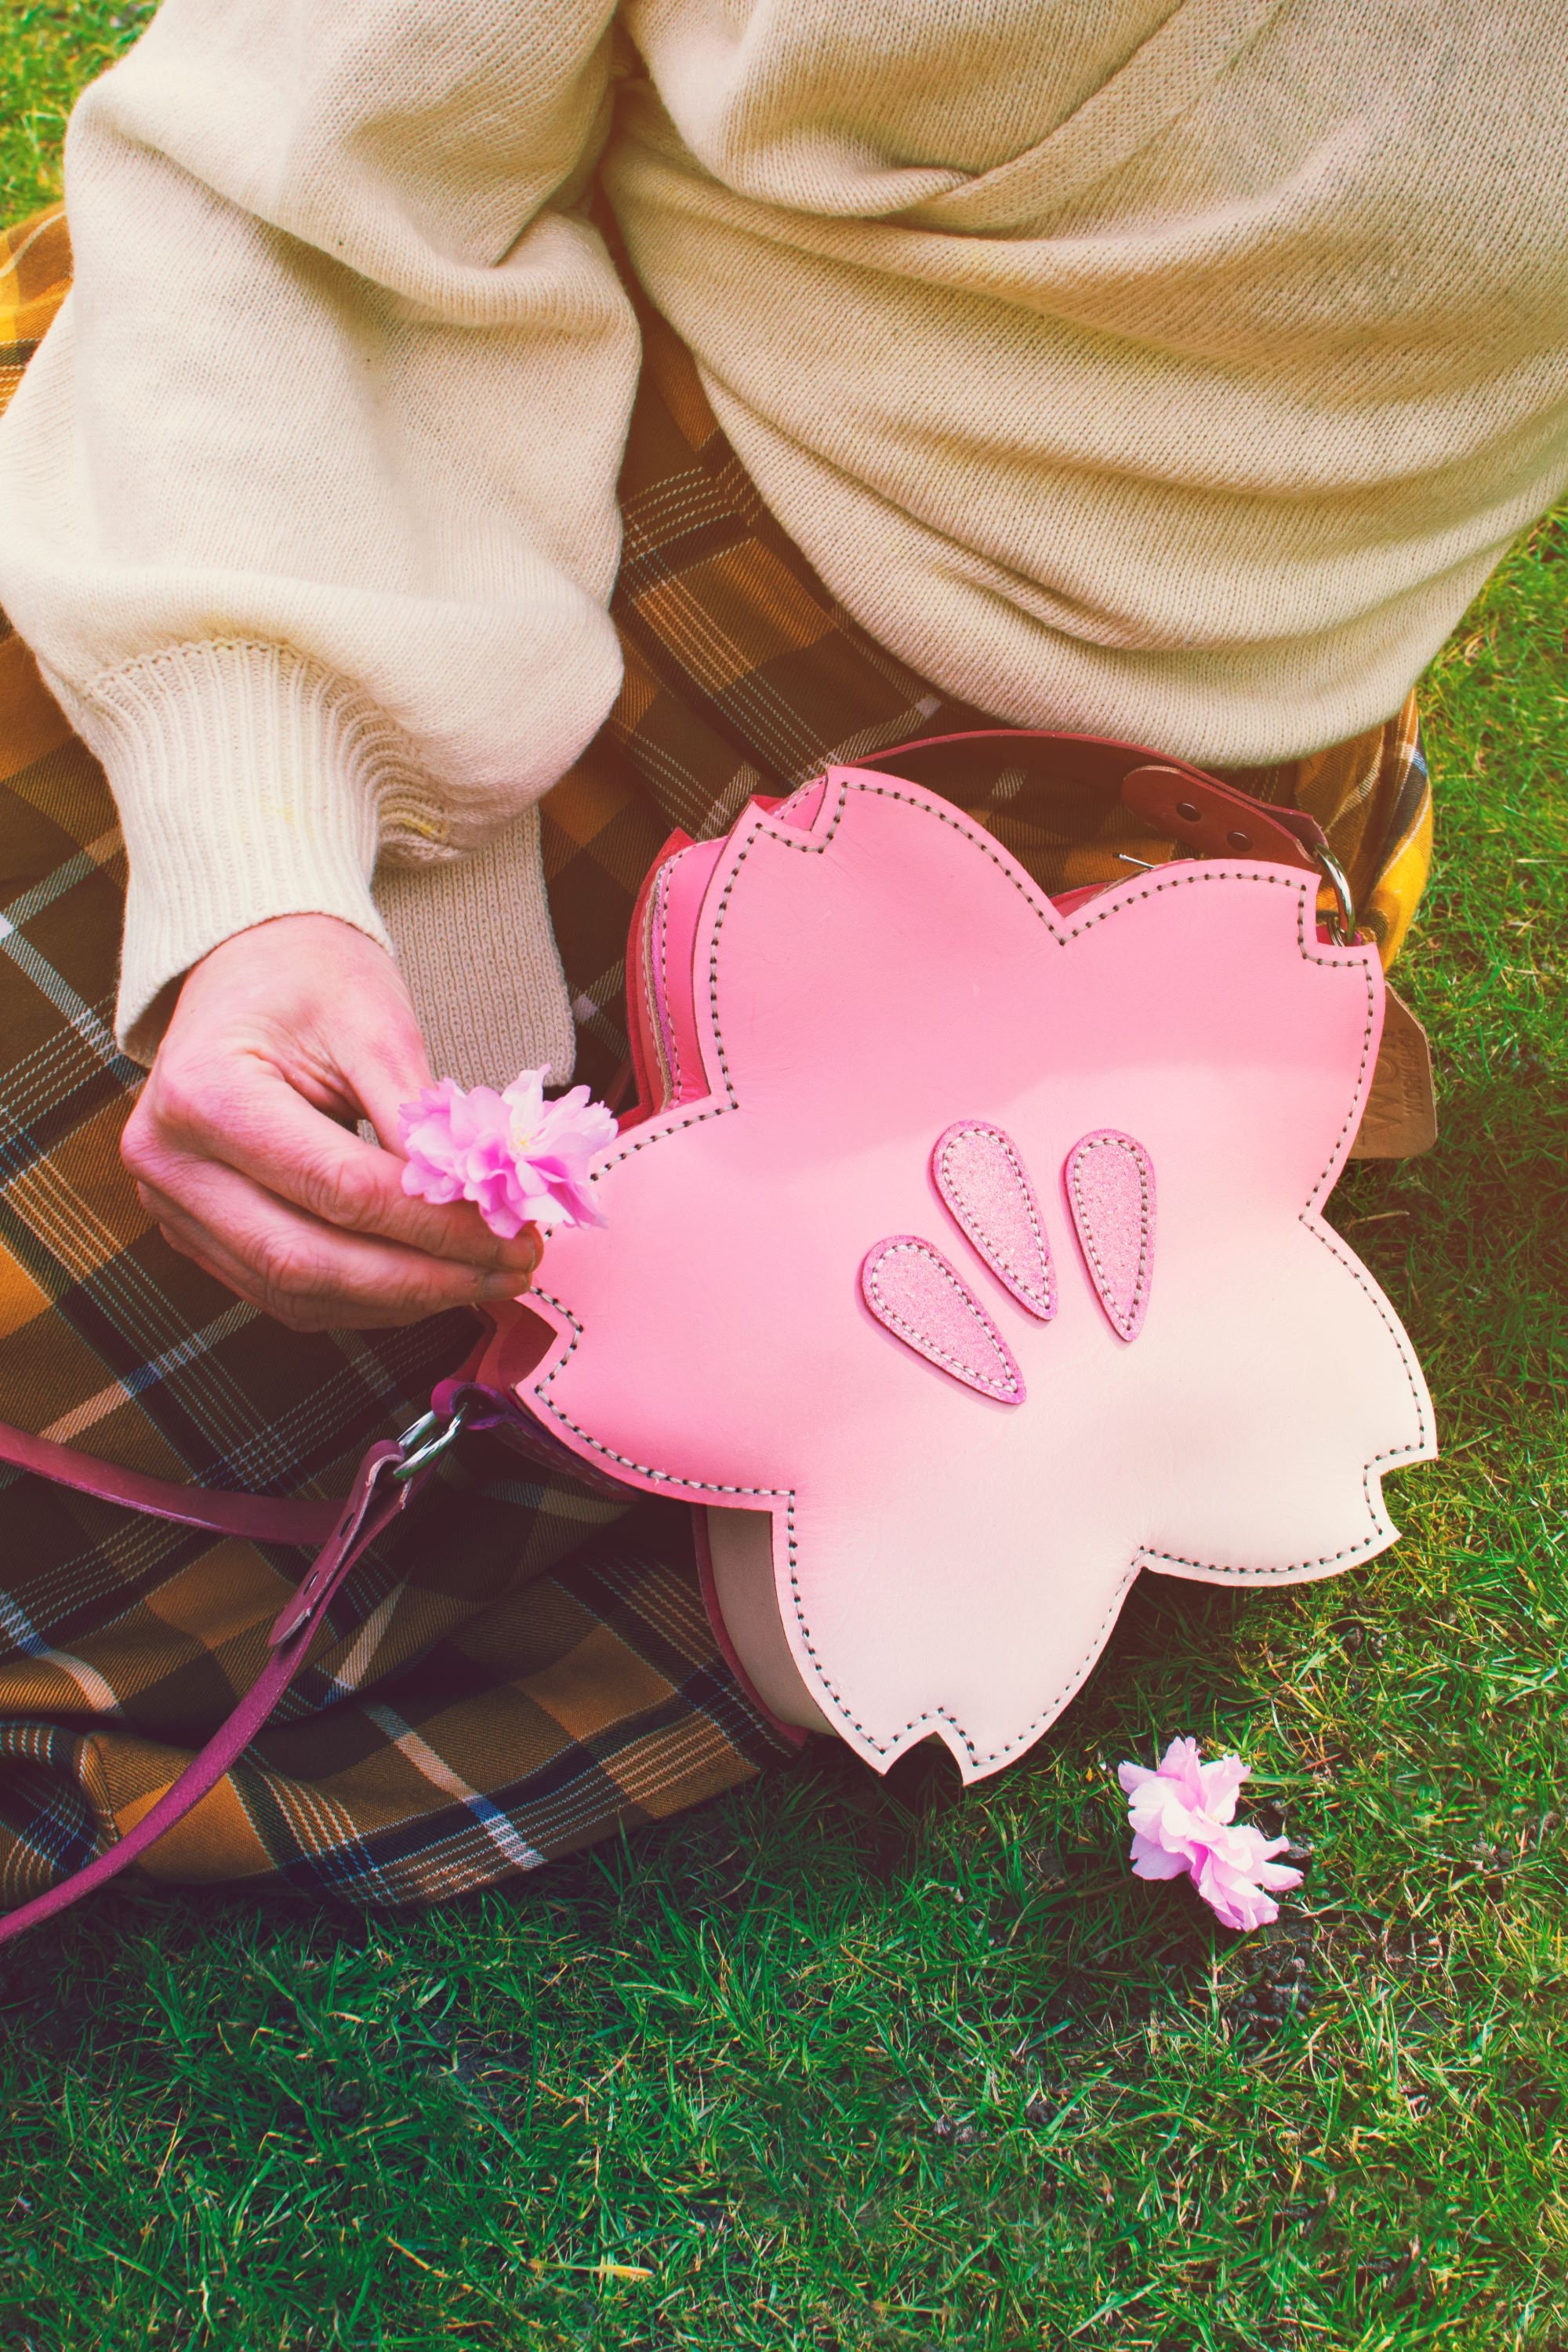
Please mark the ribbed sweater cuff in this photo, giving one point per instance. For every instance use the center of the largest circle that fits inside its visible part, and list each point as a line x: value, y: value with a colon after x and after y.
x: 248, y: 785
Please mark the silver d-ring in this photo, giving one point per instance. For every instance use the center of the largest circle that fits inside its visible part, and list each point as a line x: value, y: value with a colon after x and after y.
x: 419, y: 1449
x: 1342, y: 921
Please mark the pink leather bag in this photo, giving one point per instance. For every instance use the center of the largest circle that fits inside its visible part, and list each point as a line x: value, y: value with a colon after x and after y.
x: 964, y: 1255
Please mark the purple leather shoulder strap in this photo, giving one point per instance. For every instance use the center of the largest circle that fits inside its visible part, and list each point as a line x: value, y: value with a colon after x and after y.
x: 344, y: 1529
x: 1199, y: 811
x: 262, y: 1517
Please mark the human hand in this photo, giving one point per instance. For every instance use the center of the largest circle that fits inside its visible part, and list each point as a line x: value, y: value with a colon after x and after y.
x: 243, y: 1145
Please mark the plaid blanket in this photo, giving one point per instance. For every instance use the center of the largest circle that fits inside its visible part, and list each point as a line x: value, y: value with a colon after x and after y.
x: 522, y: 1666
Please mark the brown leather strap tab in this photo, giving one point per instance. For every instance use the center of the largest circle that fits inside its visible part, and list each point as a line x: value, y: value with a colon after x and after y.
x: 1211, y: 818
x: 1401, y: 1115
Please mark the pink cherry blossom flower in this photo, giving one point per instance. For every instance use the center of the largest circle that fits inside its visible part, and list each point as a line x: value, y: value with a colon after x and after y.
x: 1182, y: 1821
x: 521, y: 1160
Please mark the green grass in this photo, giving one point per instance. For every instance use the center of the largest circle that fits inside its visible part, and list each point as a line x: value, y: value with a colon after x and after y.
x: 841, y: 2063
x: 47, y: 53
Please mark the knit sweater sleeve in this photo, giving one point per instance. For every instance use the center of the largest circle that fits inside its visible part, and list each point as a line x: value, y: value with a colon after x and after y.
x: 310, y: 492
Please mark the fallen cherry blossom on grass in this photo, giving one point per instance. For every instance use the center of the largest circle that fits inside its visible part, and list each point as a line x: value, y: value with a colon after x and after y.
x: 1182, y: 1825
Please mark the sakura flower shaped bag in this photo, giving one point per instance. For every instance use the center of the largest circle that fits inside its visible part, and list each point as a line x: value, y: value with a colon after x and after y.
x: 965, y: 1255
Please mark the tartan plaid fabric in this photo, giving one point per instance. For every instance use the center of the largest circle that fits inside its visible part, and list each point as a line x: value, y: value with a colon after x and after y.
x: 522, y: 1666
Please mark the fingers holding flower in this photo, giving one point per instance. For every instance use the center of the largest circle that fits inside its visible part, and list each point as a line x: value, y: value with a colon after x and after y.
x: 522, y: 1159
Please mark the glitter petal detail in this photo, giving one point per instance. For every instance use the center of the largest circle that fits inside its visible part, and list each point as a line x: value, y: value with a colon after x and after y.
x: 982, y: 1178
x: 913, y: 1292
x: 1110, y: 1192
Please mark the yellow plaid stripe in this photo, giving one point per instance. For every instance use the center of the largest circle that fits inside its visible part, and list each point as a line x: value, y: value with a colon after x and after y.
x: 34, y: 278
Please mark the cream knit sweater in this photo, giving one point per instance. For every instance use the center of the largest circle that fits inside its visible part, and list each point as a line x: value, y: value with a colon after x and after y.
x: 1169, y: 368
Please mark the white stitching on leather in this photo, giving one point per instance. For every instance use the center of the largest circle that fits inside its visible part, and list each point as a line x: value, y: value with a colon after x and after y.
x: 667, y: 1029
x: 650, y: 998
x: 1009, y: 1390
x: 1188, y: 875
x: 663, y: 1478
x: 995, y: 1257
